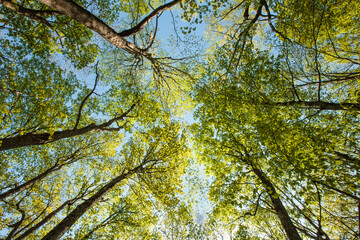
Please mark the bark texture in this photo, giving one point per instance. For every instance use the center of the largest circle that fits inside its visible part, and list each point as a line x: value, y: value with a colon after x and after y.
x: 81, y: 15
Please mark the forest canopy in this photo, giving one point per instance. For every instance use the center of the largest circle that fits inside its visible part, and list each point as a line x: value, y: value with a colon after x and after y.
x: 196, y: 119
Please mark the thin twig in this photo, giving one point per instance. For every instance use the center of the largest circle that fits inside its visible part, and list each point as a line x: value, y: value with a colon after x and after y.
x: 87, y: 97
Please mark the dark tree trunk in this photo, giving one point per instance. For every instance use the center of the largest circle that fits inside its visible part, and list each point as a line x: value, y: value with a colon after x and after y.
x: 31, y: 139
x: 286, y: 222
x: 283, y: 215
x: 81, y: 15
x: 58, y: 231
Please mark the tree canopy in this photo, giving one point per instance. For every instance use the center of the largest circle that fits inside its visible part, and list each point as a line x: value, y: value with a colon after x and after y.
x: 195, y: 119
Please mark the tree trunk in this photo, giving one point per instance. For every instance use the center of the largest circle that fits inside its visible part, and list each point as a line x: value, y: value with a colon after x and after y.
x: 81, y: 15
x: 31, y: 139
x: 34, y: 14
x: 58, y: 231
x: 283, y: 215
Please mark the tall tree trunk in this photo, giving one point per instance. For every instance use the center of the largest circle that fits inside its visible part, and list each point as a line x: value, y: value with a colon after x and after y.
x: 283, y: 215
x: 31, y: 139
x: 286, y: 222
x: 81, y: 15
x: 58, y: 231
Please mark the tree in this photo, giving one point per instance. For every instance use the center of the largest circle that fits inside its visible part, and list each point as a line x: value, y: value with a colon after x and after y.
x: 91, y: 94
x: 61, y: 132
x: 50, y: 27
x: 252, y: 113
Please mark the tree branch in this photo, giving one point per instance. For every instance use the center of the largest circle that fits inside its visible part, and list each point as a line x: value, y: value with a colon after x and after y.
x: 263, y: 2
x: 249, y: 213
x: 73, y: 157
x: 319, y: 105
x: 140, y: 26
x: 34, y: 14
x: 86, y: 98
x: 48, y: 217
x: 244, y: 35
x: 83, y: 16
x: 338, y: 190
x: 60, y: 229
